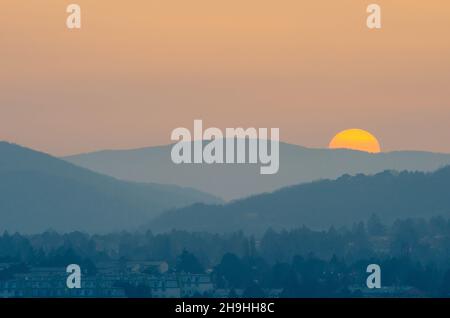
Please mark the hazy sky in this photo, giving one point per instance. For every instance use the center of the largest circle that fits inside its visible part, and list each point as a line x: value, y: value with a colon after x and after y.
x: 138, y: 69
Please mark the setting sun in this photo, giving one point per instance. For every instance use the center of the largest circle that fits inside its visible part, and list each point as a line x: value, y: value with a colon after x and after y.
x: 355, y: 139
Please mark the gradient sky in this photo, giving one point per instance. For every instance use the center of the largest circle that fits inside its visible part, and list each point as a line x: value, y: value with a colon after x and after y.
x: 138, y: 69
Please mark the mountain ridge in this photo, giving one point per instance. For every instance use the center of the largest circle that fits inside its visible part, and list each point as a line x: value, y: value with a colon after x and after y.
x: 321, y: 204
x: 298, y: 164
x: 28, y: 182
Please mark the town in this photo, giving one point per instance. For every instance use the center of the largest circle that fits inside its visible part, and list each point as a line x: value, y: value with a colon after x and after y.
x: 111, y: 280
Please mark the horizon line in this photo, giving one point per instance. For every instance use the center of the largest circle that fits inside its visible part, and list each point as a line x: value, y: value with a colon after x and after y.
x: 170, y: 144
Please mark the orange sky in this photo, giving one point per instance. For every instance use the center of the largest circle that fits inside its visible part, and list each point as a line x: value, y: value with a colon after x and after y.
x: 138, y: 69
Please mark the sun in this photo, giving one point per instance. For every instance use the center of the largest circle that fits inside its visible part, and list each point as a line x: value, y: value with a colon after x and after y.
x: 355, y: 139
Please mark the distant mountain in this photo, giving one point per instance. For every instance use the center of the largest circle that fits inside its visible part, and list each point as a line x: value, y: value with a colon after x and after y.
x: 232, y: 181
x: 322, y: 204
x: 39, y: 192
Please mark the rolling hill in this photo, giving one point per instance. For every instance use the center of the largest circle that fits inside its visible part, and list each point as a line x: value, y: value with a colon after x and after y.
x: 297, y: 165
x: 39, y: 192
x: 321, y: 204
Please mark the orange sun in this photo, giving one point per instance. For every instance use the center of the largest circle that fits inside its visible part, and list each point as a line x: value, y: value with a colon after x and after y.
x: 355, y: 139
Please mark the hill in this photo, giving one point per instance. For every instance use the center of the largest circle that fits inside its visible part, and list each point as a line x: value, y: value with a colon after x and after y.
x: 297, y: 165
x: 39, y: 192
x: 321, y: 204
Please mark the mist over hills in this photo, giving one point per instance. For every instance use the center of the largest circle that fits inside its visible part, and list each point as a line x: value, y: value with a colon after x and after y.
x: 39, y: 192
x: 233, y: 181
x: 321, y: 204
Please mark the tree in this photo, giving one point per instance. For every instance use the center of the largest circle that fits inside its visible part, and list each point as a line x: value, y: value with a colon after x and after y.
x: 234, y: 271
x: 253, y: 290
x: 375, y: 227
x: 188, y: 263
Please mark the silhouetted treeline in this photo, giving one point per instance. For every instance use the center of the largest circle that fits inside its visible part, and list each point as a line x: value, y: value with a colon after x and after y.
x: 419, y: 239
x: 301, y: 262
